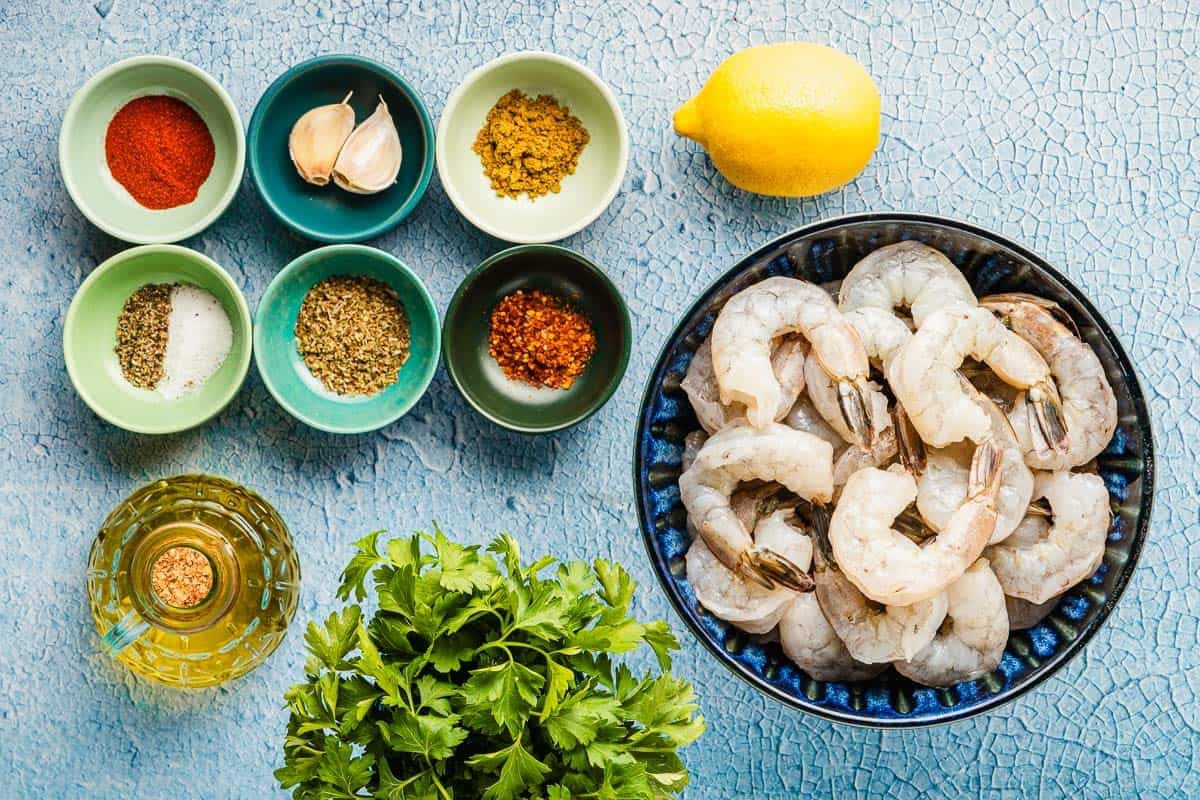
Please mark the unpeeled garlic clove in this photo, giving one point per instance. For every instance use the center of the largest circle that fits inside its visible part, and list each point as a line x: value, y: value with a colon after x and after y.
x: 370, y: 158
x: 317, y: 139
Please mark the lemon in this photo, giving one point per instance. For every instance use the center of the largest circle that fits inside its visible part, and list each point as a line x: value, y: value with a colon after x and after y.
x: 789, y: 120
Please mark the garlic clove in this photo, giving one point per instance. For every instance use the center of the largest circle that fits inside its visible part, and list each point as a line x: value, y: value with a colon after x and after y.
x: 317, y: 139
x: 370, y: 158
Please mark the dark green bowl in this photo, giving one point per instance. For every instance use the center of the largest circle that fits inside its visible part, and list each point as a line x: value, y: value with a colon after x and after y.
x: 518, y: 406
x: 327, y: 213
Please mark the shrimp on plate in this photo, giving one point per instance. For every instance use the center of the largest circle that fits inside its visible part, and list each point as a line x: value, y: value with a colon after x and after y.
x: 788, y: 354
x: 1089, y: 407
x: 924, y: 377
x: 1045, y: 557
x: 905, y: 275
x: 746, y: 603
x: 799, y: 461
x: 741, y: 350
x: 1023, y: 614
x: 970, y: 643
x: 889, y: 567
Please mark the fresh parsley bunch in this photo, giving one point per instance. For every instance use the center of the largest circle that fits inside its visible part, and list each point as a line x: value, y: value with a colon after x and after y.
x: 483, y: 677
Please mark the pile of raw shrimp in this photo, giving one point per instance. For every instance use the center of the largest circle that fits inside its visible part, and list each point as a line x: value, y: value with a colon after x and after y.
x: 893, y: 471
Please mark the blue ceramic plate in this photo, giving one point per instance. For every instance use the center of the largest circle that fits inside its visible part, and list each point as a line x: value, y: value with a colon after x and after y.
x: 825, y: 252
x: 327, y: 213
x: 288, y: 378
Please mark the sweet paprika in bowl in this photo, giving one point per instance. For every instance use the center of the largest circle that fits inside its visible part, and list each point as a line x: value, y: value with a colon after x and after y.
x: 152, y: 149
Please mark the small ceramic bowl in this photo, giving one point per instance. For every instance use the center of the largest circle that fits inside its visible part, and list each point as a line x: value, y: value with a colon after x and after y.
x: 520, y: 406
x: 328, y: 213
x: 89, y: 339
x: 585, y: 194
x: 85, y: 170
x: 288, y: 378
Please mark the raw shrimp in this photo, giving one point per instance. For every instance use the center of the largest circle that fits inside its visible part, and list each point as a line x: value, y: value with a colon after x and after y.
x: 1044, y: 558
x: 805, y: 417
x: 700, y: 384
x: 741, y: 349
x: 1023, y: 614
x: 691, y: 448
x: 813, y: 645
x: 925, y: 380
x: 745, y: 603
x: 872, y: 633
x: 800, y: 461
x: 887, y: 566
x: 905, y: 274
x: 971, y: 641
x: 942, y: 485
x: 1089, y: 408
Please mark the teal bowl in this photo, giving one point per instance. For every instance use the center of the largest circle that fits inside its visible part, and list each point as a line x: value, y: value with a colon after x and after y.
x: 519, y: 406
x: 85, y: 171
x: 327, y: 213
x: 90, y: 338
x: 287, y: 377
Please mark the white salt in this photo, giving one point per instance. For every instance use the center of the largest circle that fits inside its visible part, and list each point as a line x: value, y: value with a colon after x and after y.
x: 199, y: 338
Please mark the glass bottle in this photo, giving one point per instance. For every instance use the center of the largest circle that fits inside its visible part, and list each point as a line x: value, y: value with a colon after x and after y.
x: 249, y: 596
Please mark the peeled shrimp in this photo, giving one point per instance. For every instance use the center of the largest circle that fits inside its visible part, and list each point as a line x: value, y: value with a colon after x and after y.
x: 905, y: 274
x: 813, y: 645
x: 1089, y: 408
x: 1023, y: 614
x: 748, y: 604
x: 972, y: 643
x: 700, y: 384
x: 1045, y: 558
x: 805, y: 417
x: 924, y: 377
x: 800, y: 461
x: 691, y: 448
x: 887, y: 566
x: 942, y: 485
x: 741, y: 349
x: 872, y: 633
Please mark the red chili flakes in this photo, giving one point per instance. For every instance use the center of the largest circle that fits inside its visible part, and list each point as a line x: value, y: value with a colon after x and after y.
x: 540, y: 339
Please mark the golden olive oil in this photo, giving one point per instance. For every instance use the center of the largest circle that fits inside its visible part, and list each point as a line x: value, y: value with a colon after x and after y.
x: 243, y: 617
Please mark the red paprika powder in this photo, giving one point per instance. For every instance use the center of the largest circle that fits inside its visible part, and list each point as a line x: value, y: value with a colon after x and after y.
x: 160, y: 150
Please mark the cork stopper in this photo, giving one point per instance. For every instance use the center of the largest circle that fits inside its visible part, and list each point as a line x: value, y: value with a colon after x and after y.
x: 182, y: 577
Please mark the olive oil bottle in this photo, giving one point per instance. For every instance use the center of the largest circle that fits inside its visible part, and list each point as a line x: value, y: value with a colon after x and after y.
x: 192, y: 581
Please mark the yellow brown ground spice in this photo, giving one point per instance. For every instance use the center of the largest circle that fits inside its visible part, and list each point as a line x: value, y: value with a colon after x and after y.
x: 182, y: 577
x: 142, y: 334
x: 353, y: 334
x: 528, y: 145
x: 540, y: 339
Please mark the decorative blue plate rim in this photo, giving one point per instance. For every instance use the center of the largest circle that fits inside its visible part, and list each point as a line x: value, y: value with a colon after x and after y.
x: 1064, y: 653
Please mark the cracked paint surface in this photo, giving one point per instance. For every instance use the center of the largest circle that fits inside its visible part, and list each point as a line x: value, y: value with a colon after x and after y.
x: 1069, y: 126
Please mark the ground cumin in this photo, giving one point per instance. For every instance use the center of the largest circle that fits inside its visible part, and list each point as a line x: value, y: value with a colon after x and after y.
x: 182, y: 577
x: 540, y: 339
x: 529, y: 145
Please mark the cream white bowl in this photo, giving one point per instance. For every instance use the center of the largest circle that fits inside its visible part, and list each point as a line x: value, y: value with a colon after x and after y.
x: 585, y: 193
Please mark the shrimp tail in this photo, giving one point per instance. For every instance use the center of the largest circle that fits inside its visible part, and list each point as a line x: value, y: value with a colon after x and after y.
x: 1004, y: 304
x: 852, y: 402
x: 912, y: 449
x: 984, y: 478
x: 769, y: 568
x: 1049, y: 427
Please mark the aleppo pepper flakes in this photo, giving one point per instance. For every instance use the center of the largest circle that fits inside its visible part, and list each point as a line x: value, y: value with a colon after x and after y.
x: 529, y: 145
x: 160, y: 150
x: 353, y: 334
x: 540, y: 339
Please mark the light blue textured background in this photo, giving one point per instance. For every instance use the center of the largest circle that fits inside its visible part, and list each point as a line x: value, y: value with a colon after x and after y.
x: 1069, y: 128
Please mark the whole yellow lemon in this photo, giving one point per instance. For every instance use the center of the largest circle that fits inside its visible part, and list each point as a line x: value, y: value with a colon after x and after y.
x: 788, y: 120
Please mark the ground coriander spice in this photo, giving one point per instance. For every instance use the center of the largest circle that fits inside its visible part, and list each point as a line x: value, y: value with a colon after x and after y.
x: 182, y: 577
x: 528, y: 145
x: 142, y: 334
x: 353, y: 334
x: 540, y: 339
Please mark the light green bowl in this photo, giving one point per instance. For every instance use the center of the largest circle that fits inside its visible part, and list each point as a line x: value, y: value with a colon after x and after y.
x: 585, y: 194
x: 85, y: 171
x: 90, y: 338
